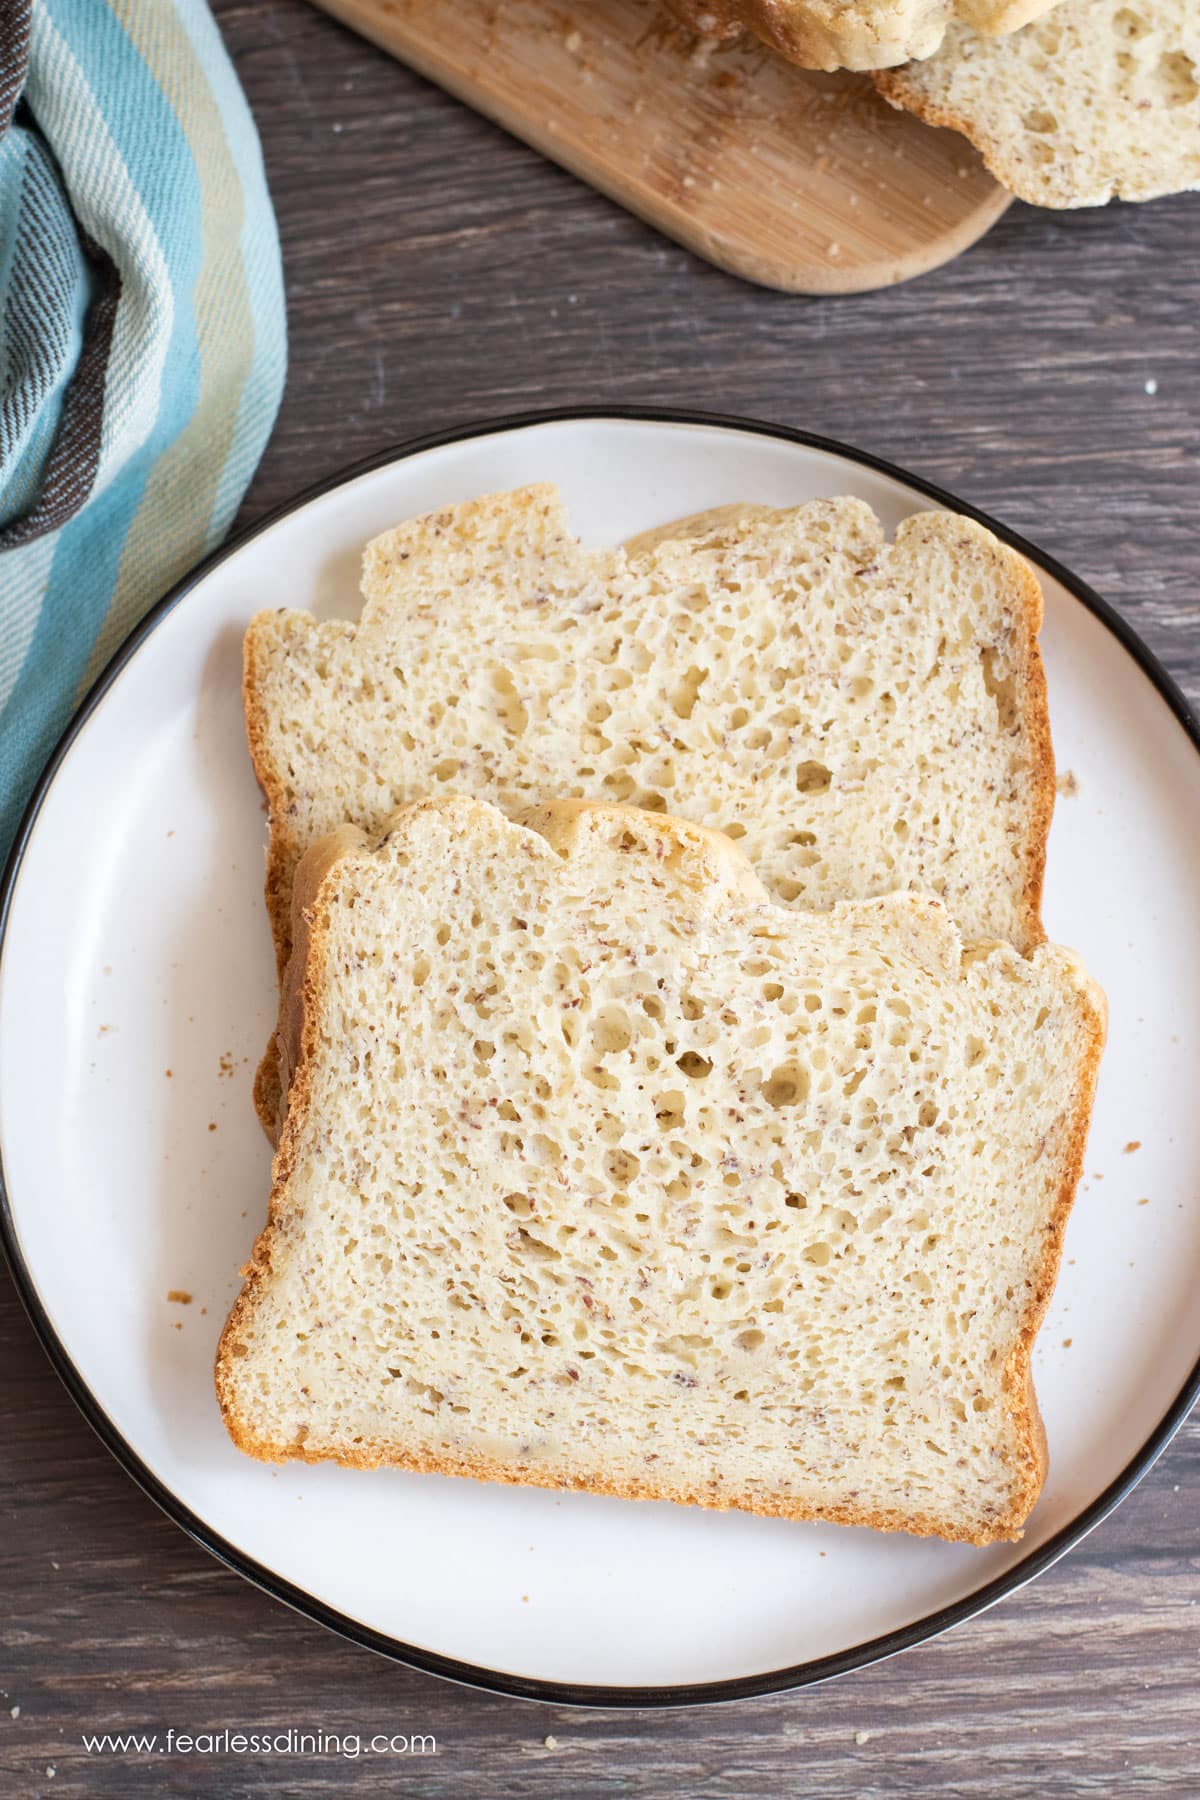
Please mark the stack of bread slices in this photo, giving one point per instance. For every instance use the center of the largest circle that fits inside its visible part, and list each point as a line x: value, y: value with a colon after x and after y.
x: 1072, y: 102
x: 675, y: 1096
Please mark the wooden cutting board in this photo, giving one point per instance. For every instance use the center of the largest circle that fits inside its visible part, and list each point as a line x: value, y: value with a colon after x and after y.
x: 794, y: 179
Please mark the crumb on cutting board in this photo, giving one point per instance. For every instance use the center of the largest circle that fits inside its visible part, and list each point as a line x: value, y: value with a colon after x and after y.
x: 1132, y: 1145
x: 179, y: 1297
x: 1068, y: 784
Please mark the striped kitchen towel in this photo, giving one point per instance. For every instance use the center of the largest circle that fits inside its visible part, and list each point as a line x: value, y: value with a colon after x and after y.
x: 142, y: 336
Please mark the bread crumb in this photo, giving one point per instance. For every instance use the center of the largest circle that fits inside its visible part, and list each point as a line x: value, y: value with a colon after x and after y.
x: 573, y: 41
x: 178, y: 1325
x: 1152, y: 387
x: 226, y: 1065
x: 168, y: 1074
x: 1068, y: 784
x: 551, y: 1743
x: 104, y: 1029
x: 525, y: 1599
x: 1132, y: 1145
x: 862, y: 1737
x: 108, y: 968
x: 179, y: 1297
x: 1144, y: 1202
x: 14, y: 1712
x: 212, y: 1124
x: 1067, y: 1342
x: 833, y: 249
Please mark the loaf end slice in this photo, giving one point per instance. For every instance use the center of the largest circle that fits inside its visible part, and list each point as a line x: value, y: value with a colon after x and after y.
x: 1097, y: 101
x: 602, y: 1172
x: 872, y: 34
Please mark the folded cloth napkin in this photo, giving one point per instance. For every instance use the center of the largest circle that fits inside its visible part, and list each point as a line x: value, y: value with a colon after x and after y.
x: 142, y: 336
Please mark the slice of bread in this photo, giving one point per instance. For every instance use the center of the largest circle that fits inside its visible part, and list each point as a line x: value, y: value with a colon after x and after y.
x: 601, y: 1171
x: 863, y: 716
x: 865, y: 34
x: 1098, y: 101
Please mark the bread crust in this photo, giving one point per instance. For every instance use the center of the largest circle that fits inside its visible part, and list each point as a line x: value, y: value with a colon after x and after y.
x: 1077, y: 172
x: 1035, y: 720
x: 816, y: 35
x: 563, y: 826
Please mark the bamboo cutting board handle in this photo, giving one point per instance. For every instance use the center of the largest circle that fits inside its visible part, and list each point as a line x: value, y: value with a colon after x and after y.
x: 794, y: 179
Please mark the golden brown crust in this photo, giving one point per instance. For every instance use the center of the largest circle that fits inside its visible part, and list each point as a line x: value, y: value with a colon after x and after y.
x: 906, y: 96
x: 270, y: 1088
x: 431, y: 1462
x: 818, y: 36
x: 561, y: 823
x: 1019, y: 1396
x: 279, y: 848
x: 712, y: 860
x: 1036, y: 727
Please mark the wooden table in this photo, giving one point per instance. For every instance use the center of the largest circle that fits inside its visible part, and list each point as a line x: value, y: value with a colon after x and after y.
x: 438, y: 273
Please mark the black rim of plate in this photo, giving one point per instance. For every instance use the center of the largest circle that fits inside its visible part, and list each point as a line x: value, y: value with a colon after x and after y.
x: 494, y: 1680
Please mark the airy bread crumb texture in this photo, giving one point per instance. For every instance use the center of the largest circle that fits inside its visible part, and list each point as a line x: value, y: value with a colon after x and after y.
x: 1098, y: 101
x: 601, y: 1171
x: 861, y: 715
x: 852, y: 34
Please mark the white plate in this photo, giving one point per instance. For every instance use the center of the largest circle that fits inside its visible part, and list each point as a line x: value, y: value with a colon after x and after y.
x: 136, y: 943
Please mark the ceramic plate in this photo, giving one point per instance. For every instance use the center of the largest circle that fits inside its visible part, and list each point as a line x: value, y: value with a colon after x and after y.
x: 137, y: 989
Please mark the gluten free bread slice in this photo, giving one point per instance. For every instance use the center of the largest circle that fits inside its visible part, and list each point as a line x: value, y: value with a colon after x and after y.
x: 862, y: 715
x: 852, y: 34
x: 1098, y: 101
x: 603, y: 1172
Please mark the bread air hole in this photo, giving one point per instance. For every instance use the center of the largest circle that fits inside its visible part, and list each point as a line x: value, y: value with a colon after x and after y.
x: 787, y: 1086
x: 611, y: 1031
x: 621, y: 1167
x: 812, y: 778
x: 509, y: 707
x: 669, y: 1110
x: 1177, y: 78
x: 1129, y: 24
x: 1001, y: 685
x: 683, y: 700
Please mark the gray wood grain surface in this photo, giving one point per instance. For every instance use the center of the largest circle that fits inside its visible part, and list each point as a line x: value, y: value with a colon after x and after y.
x: 438, y: 273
